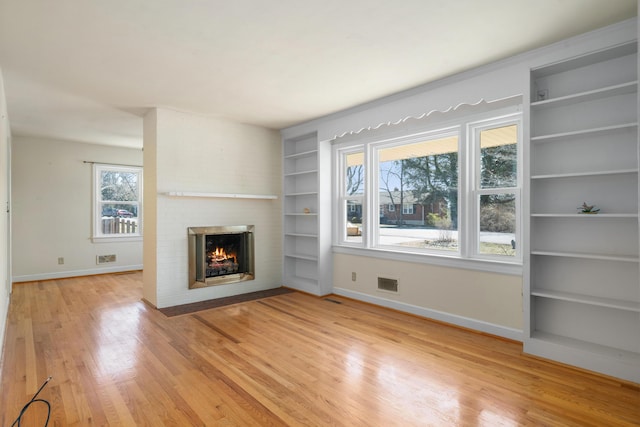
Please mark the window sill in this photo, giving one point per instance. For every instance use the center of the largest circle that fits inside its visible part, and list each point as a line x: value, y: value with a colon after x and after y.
x: 512, y: 268
x: 110, y: 239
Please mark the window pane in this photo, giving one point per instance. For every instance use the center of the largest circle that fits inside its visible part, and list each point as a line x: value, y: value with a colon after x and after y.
x: 499, y: 159
x: 119, y: 186
x: 354, y: 221
x: 418, y: 194
x: 498, y: 224
x: 354, y: 175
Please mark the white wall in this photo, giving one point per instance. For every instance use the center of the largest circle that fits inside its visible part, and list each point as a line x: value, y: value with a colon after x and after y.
x: 481, y: 300
x: 5, y: 282
x: 200, y: 154
x: 52, y: 210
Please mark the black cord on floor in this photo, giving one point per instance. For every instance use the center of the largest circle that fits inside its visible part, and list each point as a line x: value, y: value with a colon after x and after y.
x: 32, y: 401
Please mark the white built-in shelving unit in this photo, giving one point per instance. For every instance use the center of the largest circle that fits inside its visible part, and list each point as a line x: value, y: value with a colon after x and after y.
x: 582, y: 300
x: 307, y: 256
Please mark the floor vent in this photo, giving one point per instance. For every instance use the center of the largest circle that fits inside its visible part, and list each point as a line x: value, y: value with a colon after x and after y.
x: 385, y: 284
x: 333, y: 301
x: 105, y: 259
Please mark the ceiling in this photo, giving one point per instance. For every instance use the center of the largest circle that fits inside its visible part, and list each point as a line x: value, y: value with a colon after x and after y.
x: 88, y: 70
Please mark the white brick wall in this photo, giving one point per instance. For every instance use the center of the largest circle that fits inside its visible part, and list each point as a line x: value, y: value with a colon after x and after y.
x: 198, y: 154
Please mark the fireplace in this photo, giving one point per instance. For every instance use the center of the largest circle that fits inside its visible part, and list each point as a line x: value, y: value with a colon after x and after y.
x: 220, y: 255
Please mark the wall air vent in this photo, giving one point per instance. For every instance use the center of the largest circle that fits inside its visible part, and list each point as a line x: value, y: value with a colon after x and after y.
x: 385, y: 284
x: 105, y: 259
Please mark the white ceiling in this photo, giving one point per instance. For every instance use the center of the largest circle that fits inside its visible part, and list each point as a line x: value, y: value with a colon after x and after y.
x: 87, y: 70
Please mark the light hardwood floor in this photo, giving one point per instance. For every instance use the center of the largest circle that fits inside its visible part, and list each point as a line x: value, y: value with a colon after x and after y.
x: 291, y: 359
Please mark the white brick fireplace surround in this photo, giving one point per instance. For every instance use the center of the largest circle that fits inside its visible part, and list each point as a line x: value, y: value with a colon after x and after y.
x: 186, y: 155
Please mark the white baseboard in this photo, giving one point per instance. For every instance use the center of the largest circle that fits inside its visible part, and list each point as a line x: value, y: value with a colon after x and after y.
x: 465, y: 322
x: 76, y: 273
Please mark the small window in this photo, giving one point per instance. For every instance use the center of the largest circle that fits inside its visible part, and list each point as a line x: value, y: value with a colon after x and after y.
x: 407, y: 209
x: 352, y: 195
x: 497, y: 190
x: 118, y: 201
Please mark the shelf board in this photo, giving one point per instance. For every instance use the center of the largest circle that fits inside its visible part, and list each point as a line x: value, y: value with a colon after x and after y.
x: 302, y: 256
x: 587, y: 299
x: 585, y: 174
x: 577, y: 215
x: 619, y: 89
x: 622, y: 258
x: 301, y: 172
x: 298, y: 280
x: 584, y: 60
x: 306, y: 193
x: 301, y: 154
x: 221, y: 195
x: 301, y: 214
x: 593, y: 131
x: 313, y: 236
x: 614, y: 353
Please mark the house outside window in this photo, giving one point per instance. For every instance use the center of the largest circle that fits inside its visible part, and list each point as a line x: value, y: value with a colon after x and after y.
x: 452, y: 189
x: 117, y: 206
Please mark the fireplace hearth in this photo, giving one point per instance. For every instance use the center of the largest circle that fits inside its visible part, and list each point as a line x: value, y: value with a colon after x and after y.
x: 220, y: 255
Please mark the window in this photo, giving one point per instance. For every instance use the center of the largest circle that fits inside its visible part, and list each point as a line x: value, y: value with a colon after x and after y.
x: 118, y: 202
x: 451, y: 189
x: 423, y: 172
x: 352, y: 195
x: 496, y: 187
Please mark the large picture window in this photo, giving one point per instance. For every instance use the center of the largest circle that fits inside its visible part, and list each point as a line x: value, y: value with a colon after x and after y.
x: 420, y: 180
x: 117, y: 208
x: 452, y: 190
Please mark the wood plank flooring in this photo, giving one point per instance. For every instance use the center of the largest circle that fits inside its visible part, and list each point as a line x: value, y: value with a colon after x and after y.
x: 287, y: 360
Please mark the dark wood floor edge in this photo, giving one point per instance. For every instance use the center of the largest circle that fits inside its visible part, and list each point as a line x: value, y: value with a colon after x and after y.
x: 178, y: 310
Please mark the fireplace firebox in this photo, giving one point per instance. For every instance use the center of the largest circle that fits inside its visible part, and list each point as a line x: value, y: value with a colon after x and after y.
x: 220, y: 254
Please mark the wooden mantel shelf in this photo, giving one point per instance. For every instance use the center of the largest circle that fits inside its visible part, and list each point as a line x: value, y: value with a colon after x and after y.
x: 221, y: 195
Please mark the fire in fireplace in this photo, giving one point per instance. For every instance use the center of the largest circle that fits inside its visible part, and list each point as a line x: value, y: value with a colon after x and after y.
x: 220, y: 255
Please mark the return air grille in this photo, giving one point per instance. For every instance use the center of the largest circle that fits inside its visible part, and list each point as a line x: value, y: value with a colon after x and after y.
x: 385, y: 284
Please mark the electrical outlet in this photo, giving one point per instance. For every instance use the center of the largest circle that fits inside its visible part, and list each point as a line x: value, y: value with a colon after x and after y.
x: 353, y: 276
x: 60, y: 260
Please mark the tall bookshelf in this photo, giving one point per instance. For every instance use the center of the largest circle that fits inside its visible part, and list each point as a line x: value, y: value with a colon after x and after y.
x: 307, y: 254
x: 582, y: 286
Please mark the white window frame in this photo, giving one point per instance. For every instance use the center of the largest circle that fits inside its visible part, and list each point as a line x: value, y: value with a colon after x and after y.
x: 407, y: 209
x: 391, y: 207
x: 468, y: 255
x: 98, y: 236
x: 474, y: 130
x: 340, y: 213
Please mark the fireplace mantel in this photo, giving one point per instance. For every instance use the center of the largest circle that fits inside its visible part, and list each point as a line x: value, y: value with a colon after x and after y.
x: 221, y: 195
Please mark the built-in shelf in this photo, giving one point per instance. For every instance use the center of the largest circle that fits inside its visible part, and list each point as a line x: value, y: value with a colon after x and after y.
x: 585, y: 174
x: 588, y: 347
x: 301, y: 154
x: 588, y: 299
x: 310, y: 171
x: 312, y: 236
x: 306, y: 193
x: 221, y: 195
x: 582, y: 132
x: 302, y: 256
x: 614, y: 90
x: 590, y: 216
x: 582, y: 255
